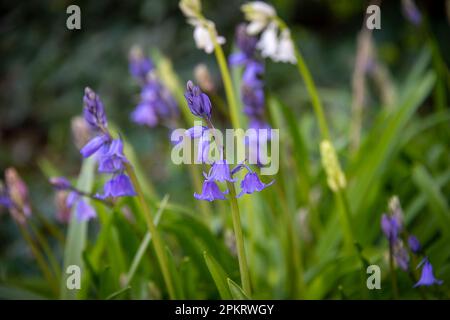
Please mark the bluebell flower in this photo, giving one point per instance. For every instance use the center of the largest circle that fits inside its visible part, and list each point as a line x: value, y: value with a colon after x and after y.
x: 246, y: 44
x: 411, y: 12
x: 427, y: 277
x: 139, y: 65
x: 113, y: 160
x: 94, y: 145
x: 94, y: 111
x: 60, y: 183
x: 156, y: 104
x: 83, y: 210
x: 118, y: 186
x: 390, y: 227
x: 220, y: 171
x: 210, y: 192
x: 251, y: 183
x: 198, y: 102
x: 414, y: 244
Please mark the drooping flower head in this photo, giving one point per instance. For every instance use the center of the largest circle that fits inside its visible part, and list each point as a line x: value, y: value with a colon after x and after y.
x: 220, y: 171
x: 118, y: 186
x: 198, y: 102
x: 414, y: 244
x: 427, y: 277
x: 275, y: 40
x: 83, y: 210
x: 210, y: 192
x: 205, y: 33
x: 251, y: 183
x: 15, y: 196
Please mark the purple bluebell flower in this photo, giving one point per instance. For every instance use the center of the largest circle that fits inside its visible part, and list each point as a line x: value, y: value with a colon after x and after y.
x: 118, y: 186
x: 220, y: 171
x: 401, y: 255
x: 390, y: 227
x: 156, y: 104
x: 198, y: 102
x: 94, y: 111
x: 246, y: 44
x: 427, y: 277
x: 113, y: 160
x: 252, y: 76
x: 139, y: 65
x: 414, y: 244
x: 83, y: 210
x: 210, y: 192
x: 411, y: 12
x: 60, y: 183
x: 144, y: 115
x: 94, y: 145
x: 252, y: 183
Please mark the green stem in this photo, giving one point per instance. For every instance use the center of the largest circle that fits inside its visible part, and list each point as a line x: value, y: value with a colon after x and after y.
x: 312, y: 91
x: 243, y: 267
x: 39, y: 259
x: 228, y: 84
x: 157, y: 241
x: 393, y: 273
x: 345, y: 215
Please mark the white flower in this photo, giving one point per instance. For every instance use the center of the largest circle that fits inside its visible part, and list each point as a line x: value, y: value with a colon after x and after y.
x: 260, y: 14
x: 203, y: 39
x: 285, y: 51
x: 268, y: 43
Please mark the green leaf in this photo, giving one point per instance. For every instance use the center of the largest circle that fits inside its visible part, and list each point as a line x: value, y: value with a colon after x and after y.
x: 435, y: 198
x: 219, y: 276
x: 179, y: 292
x: 236, y: 291
x: 77, y: 231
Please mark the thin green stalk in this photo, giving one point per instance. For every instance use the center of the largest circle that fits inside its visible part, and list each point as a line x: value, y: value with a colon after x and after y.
x: 157, y: 241
x: 243, y: 267
x: 228, y: 84
x: 393, y: 273
x: 312, y: 91
x: 345, y: 215
x: 39, y: 259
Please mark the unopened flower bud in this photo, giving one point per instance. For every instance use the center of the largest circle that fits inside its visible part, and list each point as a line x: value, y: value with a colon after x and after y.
x: 335, y: 177
x: 80, y: 131
x: 203, y: 78
x: 18, y: 194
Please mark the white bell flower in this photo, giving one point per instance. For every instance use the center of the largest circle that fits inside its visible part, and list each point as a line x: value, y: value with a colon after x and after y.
x: 268, y: 43
x: 203, y: 39
x: 259, y: 14
x: 285, y: 50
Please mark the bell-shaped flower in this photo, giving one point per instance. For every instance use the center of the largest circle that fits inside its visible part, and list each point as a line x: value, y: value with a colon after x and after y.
x: 285, y: 51
x: 251, y: 183
x: 118, y: 186
x: 94, y: 145
x: 203, y: 37
x: 268, y: 43
x: 210, y: 192
x: 113, y: 160
x: 220, y: 171
x: 427, y: 277
x: 259, y: 14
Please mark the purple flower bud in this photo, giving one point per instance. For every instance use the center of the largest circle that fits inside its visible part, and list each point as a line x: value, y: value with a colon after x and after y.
x: 198, y: 102
x: 94, y: 145
x: 94, y: 112
x: 119, y: 186
x: 414, y: 244
x: 220, y: 171
x: 139, y: 65
x: 390, y: 227
x: 210, y: 192
x: 60, y: 183
x: 113, y: 160
x: 427, y: 277
x: 251, y: 183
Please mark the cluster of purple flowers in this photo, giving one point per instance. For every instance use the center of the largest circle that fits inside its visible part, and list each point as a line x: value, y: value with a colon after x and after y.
x: 14, y: 196
x: 252, y: 86
x: 393, y: 228
x: 156, y: 103
x: 200, y: 106
x: 109, y: 154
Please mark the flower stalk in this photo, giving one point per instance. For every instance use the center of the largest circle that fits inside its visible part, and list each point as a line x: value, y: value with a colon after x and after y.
x: 157, y: 241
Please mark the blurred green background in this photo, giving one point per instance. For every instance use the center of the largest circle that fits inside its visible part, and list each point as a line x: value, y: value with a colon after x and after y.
x: 44, y: 68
